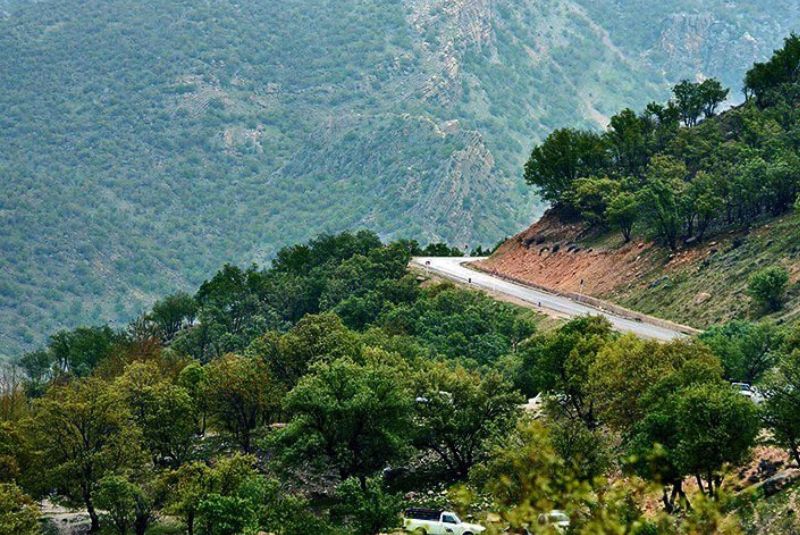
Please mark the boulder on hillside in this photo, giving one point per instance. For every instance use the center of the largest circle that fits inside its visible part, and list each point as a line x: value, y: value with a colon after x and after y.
x: 701, y: 298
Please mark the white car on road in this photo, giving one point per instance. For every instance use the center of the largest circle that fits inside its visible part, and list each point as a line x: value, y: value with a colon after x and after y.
x: 435, y: 522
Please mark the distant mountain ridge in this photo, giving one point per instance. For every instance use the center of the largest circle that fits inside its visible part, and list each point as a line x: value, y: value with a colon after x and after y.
x: 146, y: 143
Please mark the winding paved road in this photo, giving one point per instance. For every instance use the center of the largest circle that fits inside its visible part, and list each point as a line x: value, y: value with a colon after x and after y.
x: 452, y: 268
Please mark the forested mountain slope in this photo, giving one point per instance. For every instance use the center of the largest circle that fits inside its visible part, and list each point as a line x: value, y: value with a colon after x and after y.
x: 146, y: 143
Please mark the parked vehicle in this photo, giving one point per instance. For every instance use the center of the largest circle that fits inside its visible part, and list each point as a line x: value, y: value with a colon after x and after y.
x: 557, y: 519
x: 436, y: 522
x: 749, y: 391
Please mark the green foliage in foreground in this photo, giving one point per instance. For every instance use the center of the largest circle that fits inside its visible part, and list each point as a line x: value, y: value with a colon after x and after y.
x: 317, y: 426
x: 348, y: 418
x: 149, y: 417
x: 18, y: 513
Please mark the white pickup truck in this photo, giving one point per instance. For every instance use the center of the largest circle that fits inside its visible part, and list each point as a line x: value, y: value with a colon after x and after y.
x: 433, y: 522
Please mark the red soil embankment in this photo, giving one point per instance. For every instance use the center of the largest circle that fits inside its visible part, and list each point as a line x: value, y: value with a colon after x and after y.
x: 548, y: 254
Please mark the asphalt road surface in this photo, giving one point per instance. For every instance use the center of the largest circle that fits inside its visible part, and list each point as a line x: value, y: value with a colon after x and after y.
x: 452, y: 268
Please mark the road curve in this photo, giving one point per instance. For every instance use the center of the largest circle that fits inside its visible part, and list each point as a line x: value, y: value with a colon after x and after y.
x: 452, y: 268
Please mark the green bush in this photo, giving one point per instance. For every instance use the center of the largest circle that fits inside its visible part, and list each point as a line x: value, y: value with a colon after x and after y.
x: 225, y: 515
x: 18, y: 512
x: 368, y: 508
x: 767, y: 288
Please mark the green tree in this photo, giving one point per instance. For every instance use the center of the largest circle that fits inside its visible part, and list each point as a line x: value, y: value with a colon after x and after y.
x: 124, y: 503
x: 81, y: 350
x: 188, y: 485
x: 459, y: 324
x: 782, y: 406
x: 587, y: 452
x: 282, y: 513
x: 361, y: 275
x: 782, y: 182
x: 232, y: 311
x: 625, y: 369
x: 192, y: 378
x: 17, y: 455
x: 747, y: 350
x: 711, y: 94
x: 315, y: 338
x: 38, y: 368
x: 347, y: 417
x: 688, y: 101
x: 702, y: 204
x: 163, y: 411
x: 653, y: 453
x: 666, y: 120
x: 621, y: 372
x: 765, y: 80
x: 660, y: 198
x: 558, y: 364
x: 241, y: 396
x: 459, y: 412
x: 226, y: 515
x: 622, y: 212
x: 19, y: 515
x: 717, y: 426
x: 767, y: 288
x: 653, y: 438
x: 565, y: 156
x: 300, y: 259
x: 629, y: 140
x: 368, y: 510
x: 84, y: 432
x: 592, y: 196
x: 173, y: 313
x: 196, y: 483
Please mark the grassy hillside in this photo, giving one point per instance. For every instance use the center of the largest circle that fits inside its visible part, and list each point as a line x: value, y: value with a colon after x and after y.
x: 774, y: 514
x: 146, y: 143
x: 708, y: 285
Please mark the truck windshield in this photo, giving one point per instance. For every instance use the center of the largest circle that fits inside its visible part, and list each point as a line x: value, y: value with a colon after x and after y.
x: 450, y: 519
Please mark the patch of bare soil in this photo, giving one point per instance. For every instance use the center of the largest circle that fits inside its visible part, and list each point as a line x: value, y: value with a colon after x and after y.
x: 552, y: 254
x: 769, y: 468
x: 549, y: 254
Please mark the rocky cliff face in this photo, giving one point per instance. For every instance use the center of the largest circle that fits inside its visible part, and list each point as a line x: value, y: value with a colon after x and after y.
x: 445, y: 29
x: 702, y: 45
x: 697, y: 39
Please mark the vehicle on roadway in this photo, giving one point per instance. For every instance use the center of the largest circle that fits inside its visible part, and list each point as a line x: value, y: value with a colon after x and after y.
x: 437, y: 522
